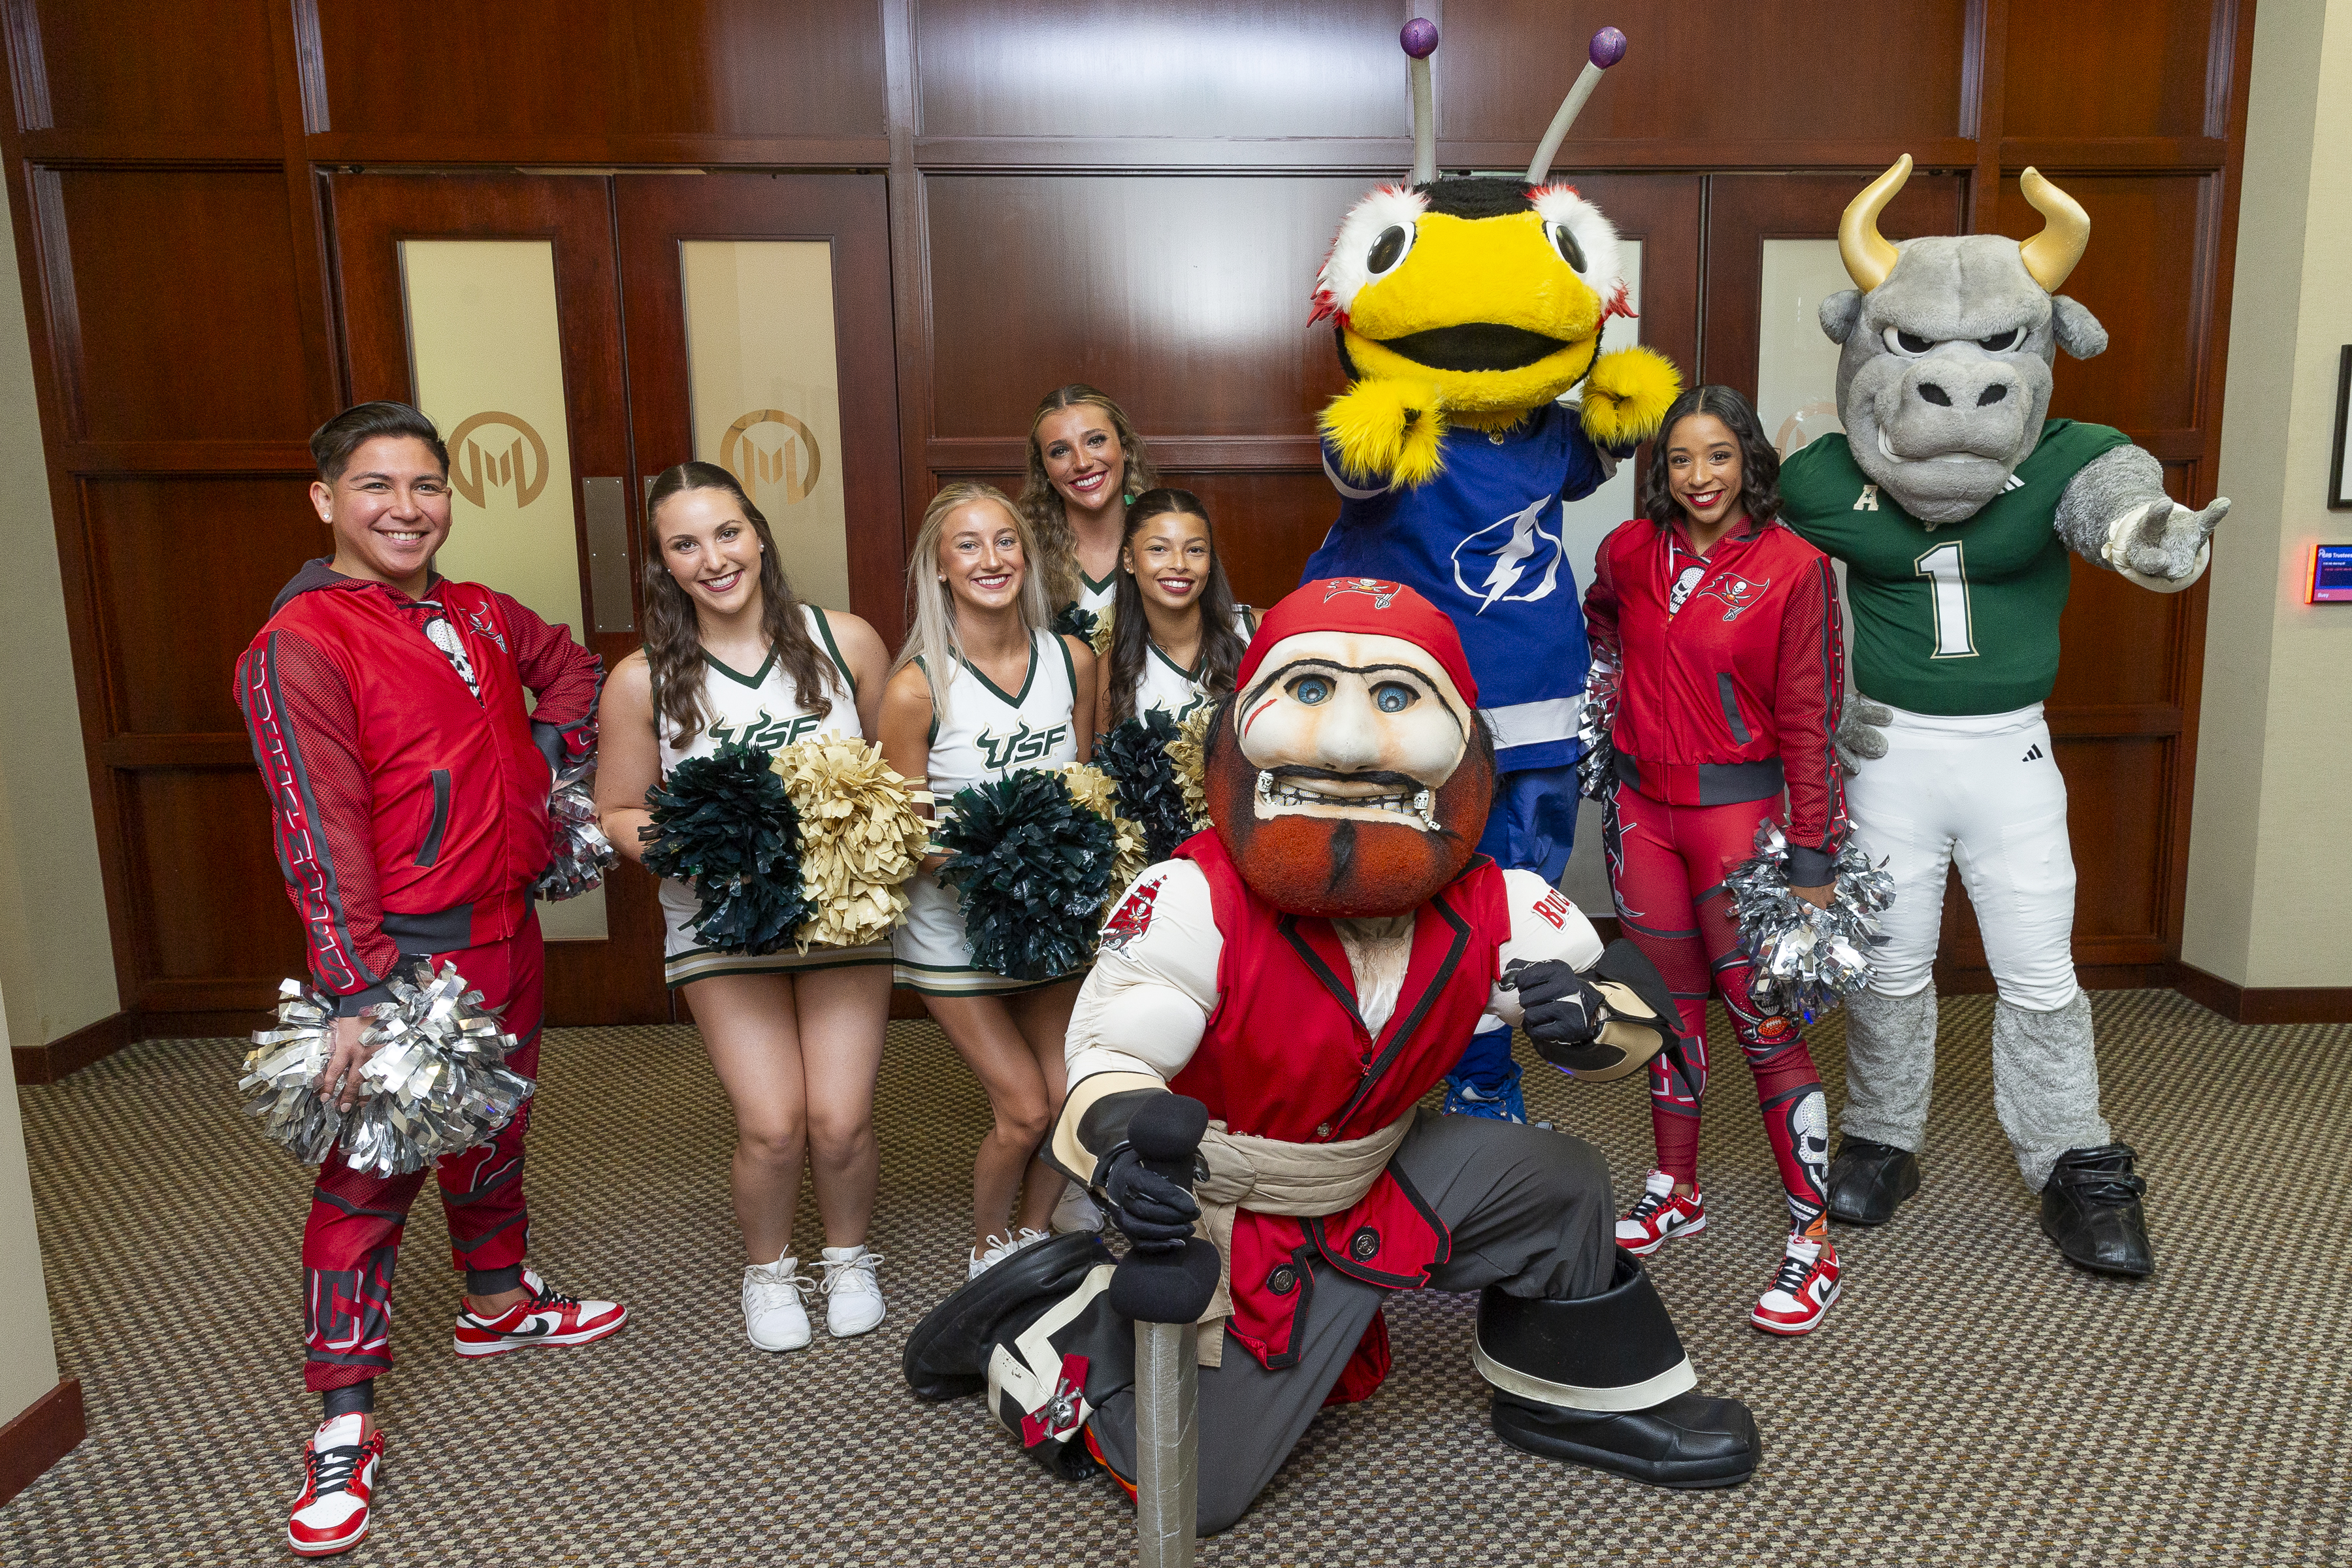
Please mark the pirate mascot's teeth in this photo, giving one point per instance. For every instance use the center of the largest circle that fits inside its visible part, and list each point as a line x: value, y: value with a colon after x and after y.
x: 1267, y: 1010
x: 1468, y: 312
x: 1954, y: 503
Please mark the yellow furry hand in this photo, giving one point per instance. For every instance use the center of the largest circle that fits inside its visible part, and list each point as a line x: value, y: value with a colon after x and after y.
x: 1627, y: 395
x: 1386, y: 432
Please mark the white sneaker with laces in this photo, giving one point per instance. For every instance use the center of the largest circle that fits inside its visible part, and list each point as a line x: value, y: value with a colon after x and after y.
x: 1027, y: 1236
x: 775, y: 1317
x: 992, y: 1251
x: 853, y: 1301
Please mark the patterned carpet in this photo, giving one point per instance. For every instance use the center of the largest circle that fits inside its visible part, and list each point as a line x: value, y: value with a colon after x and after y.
x: 1972, y: 1400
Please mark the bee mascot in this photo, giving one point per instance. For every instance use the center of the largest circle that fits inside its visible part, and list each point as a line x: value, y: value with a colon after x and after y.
x: 1954, y: 503
x: 1245, y: 1060
x: 1465, y: 309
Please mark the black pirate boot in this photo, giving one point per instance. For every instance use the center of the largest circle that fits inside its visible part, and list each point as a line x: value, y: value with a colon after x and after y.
x: 1604, y: 1382
x: 1045, y: 1383
x: 2090, y: 1207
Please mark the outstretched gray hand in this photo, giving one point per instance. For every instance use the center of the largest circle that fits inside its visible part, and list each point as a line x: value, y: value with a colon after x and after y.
x: 2164, y: 540
x: 1861, y: 735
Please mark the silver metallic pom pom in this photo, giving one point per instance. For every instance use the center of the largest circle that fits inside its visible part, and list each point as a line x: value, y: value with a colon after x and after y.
x: 282, y: 1070
x: 1807, y: 960
x: 581, y: 854
x: 1596, y: 768
x: 437, y: 1083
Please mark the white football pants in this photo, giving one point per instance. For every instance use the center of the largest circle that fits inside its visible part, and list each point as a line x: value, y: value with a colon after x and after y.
x: 1982, y: 791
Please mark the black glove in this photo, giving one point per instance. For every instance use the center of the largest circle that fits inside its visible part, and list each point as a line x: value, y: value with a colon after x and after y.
x: 1561, y: 1009
x: 1152, y: 1211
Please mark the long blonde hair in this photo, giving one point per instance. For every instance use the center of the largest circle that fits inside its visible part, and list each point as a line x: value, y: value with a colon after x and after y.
x: 932, y: 636
x: 1041, y: 504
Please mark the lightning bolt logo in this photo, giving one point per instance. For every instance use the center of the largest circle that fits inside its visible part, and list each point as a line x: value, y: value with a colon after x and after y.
x: 1514, y: 557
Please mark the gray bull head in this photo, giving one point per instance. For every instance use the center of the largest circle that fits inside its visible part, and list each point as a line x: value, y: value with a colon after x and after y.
x: 1948, y: 342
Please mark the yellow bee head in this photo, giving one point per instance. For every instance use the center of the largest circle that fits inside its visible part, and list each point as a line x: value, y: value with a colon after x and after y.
x: 1491, y: 290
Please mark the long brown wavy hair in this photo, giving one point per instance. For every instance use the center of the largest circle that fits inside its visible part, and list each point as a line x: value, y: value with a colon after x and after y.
x: 1041, y: 503
x: 673, y: 635
x: 1221, y: 644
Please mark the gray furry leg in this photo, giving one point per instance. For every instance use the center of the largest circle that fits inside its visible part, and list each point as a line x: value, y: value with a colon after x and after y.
x: 1890, y: 1066
x: 2046, y: 1084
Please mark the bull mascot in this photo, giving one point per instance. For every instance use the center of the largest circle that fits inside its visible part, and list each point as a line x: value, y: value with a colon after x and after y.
x: 1954, y: 503
x: 1293, y: 982
x: 1464, y: 310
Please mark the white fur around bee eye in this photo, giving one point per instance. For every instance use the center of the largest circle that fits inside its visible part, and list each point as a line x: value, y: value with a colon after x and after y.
x: 1595, y: 236
x: 1349, y: 266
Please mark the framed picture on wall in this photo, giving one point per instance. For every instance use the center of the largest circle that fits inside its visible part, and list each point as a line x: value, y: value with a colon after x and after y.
x: 2339, y: 462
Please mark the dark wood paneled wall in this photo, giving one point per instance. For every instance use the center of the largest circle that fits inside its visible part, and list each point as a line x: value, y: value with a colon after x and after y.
x: 1133, y: 191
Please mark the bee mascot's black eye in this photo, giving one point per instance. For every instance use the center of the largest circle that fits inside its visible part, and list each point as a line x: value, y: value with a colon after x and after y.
x: 1570, y: 251
x: 1389, y: 249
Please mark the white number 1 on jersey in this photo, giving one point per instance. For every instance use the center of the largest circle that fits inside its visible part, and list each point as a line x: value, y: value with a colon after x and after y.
x: 1949, y: 571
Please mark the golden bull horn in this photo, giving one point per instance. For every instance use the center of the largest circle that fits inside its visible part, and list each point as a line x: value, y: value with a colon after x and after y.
x: 1869, y: 256
x: 2065, y: 234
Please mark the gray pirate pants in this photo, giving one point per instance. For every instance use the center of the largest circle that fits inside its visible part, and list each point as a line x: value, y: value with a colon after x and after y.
x: 1529, y: 1210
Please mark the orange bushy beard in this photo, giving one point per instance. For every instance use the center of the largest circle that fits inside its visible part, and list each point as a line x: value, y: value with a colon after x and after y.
x: 1345, y: 869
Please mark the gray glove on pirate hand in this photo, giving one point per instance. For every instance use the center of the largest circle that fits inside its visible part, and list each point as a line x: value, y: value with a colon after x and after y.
x: 1562, y: 1013
x: 1860, y: 733
x: 1149, y: 1210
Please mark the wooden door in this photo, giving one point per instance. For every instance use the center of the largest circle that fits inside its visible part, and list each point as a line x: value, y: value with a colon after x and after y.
x: 662, y: 221
x: 616, y: 977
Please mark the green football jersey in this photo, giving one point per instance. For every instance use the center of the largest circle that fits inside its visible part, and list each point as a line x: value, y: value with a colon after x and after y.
x: 1959, y: 618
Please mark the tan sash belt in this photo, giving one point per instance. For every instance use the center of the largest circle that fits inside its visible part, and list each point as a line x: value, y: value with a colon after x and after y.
x: 1268, y: 1175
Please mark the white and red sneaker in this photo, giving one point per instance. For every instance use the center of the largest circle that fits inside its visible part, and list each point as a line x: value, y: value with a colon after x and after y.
x: 337, y: 1474
x: 543, y: 1317
x: 1801, y: 1292
x: 1662, y: 1214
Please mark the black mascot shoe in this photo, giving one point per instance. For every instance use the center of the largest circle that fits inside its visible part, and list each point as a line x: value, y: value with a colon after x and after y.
x: 2090, y: 1207
x: 1690, y: 1442
x: 947, y: 1355
x: 1868, y: 1181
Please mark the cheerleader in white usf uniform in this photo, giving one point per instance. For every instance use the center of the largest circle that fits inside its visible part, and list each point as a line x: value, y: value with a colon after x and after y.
x: 982, y: 689
x: 730, y: 655
x: 1177, y: 637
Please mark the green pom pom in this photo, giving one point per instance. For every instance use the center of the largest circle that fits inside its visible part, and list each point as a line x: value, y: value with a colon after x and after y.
x: 1032, y: 868
x: 725, y: 824
x: 1135, y: 753
x: 1074, y: 622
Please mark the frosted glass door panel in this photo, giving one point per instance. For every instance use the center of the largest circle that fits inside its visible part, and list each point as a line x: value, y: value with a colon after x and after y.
x: 1796, y: 363
x: 766, y: 394
x: 485, y: 359
x: 1583, y: 525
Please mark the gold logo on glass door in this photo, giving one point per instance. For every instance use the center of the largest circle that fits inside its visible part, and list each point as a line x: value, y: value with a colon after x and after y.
x: 771, y: 472
x: 476, y: 472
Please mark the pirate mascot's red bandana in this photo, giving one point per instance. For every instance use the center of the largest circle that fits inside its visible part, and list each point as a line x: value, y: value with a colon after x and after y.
x: 1297, y: 979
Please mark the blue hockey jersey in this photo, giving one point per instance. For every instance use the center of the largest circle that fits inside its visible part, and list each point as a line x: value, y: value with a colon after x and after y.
x: 1482, y: 541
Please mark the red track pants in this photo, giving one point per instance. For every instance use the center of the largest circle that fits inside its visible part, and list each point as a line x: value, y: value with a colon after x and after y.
x: 353, y: 1237
x: 1666, y: 868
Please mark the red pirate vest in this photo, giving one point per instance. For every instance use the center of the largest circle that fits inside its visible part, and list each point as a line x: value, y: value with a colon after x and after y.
x: 1287, y: 1056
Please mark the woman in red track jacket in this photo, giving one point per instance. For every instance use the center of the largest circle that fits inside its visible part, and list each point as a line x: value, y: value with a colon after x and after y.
x: 1724, y: 626
x: 408, y: 787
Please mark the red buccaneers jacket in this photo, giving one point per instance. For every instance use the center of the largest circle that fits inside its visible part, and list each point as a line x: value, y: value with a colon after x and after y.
x: 410, y: 814
x: 1734, y: 694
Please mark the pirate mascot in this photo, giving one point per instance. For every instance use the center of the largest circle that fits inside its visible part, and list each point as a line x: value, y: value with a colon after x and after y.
x: 1954, y: 505
x: 1297, y: 979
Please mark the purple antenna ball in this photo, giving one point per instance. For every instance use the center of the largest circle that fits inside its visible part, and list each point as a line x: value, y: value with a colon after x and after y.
x: 1419, y: 38
x: 1608, y: 48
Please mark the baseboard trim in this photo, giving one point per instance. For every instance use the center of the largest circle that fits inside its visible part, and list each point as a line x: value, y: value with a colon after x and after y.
x: 71, y: 1053
x: 42, y: 1433
x: 2264, y: 1003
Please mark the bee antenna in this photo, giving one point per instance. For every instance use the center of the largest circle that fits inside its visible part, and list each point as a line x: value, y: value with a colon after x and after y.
x: 1608, y: 48
x: 1418, y: 39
